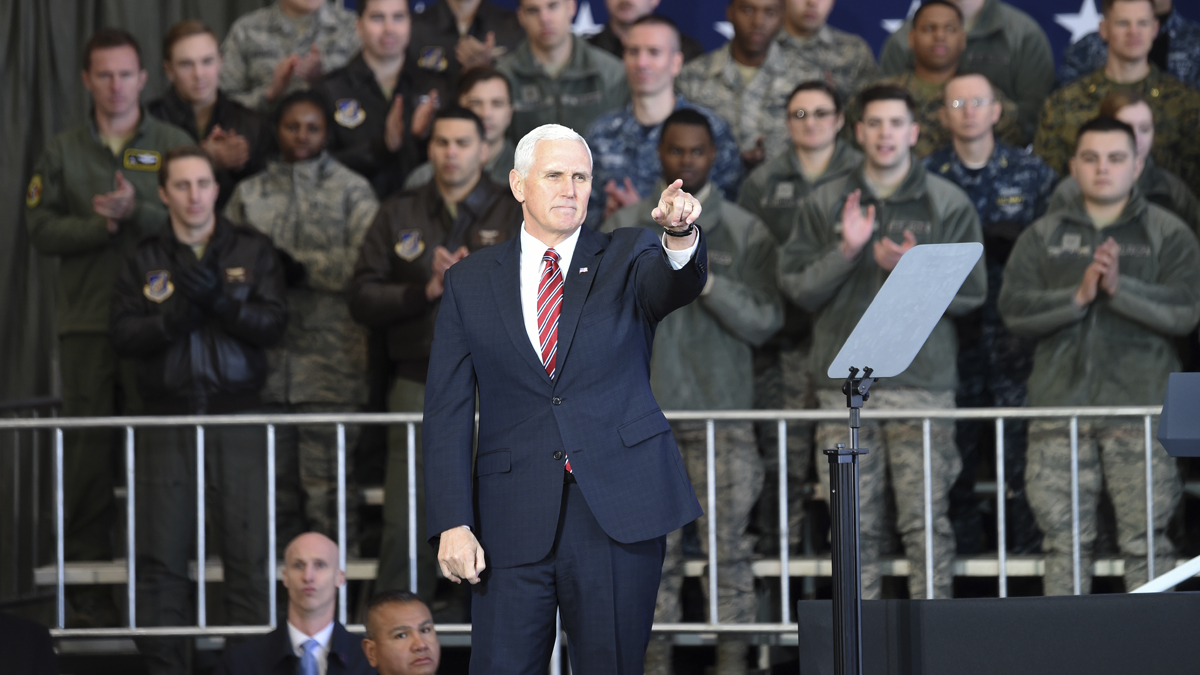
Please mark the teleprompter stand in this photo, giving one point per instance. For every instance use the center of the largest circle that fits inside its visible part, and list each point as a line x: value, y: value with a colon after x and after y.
x: 889, y: 335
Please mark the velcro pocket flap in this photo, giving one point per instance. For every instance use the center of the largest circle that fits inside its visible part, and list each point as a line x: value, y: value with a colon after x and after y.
x: 643, y: 427
x: 498, y: 461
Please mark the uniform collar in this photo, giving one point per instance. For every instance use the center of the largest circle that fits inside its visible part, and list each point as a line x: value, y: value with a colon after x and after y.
x: 824, y: 36
x: 579, y: 64
x: 722, y: 65
x: 844, y: 158
x: 475, y: 203
x: 143, y: 120
x: 1074, y: 210
x: 912, y: 187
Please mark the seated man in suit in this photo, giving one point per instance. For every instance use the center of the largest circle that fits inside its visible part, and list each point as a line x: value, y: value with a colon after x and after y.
x: 311, y: 643
x: 401, y: 639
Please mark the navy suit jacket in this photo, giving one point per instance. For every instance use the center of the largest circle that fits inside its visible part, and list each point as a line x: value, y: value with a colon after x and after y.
x: 598, y: 410
x: 272, y: 654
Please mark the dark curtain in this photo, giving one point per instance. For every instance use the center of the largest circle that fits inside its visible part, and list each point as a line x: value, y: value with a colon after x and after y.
x: 41, y: 95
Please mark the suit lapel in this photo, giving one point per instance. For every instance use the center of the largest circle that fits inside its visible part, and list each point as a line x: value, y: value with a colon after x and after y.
x: 576, y: 287
x: 506, y: 284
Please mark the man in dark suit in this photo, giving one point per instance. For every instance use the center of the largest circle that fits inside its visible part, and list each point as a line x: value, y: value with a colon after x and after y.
x: 311, y: 643
x: 578, y: 479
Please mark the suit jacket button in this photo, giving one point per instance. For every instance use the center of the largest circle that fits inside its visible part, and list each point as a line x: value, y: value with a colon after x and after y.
x: 556, y: 401
x: 558, y: 454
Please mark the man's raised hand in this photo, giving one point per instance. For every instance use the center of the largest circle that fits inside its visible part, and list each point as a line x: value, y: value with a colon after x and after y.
x: 1108, y: 256
x: 888, y: 252
x: 460, y: 555
x: 857, y: 227
x: 676, y: 209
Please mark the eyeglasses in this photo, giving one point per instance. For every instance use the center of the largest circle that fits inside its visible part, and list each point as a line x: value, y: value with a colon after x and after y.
x: 819, y: 114
x: 972, y: 103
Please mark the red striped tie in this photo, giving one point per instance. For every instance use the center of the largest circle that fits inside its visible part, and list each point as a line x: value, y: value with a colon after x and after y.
x: 548, y: 305
x: 550, y: 294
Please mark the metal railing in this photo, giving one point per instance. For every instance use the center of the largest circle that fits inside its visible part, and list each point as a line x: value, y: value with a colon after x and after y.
x: 410, y: 420
x: 21, y: 539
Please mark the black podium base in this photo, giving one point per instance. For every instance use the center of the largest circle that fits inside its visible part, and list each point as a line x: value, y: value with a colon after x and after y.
x: 1151, y: 633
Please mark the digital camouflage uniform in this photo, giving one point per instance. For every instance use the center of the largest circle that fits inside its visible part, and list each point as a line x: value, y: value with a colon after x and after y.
x: 781, y: 378
x: 623, y: 148
x: 928, y: 99
x: 1158, y: 186
x: 74, y: 167
x: 754, y: 110
x: 1009, y: 193
x: 259, y: 40
x: 317, y: 211
x: 592, y: 82
x: 1176, y: 109
x: 841, y: 59
x: 815, y: 275
x: 703, y: 360
x: 1182, y: 59
x: 1116, y: 351
x: 496, y: 168
x: 1005, y: 45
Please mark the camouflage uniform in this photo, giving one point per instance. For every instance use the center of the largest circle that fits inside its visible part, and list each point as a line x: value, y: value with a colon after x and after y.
x: 1176, y: 108
x: 623, y: 148
x: 1182, y: 57
x: 1005, y: 45
x: 592, y: 82
x: 1158, y: 186
x: 496, y: 168
x: 928, y: 99
x: 703, y: 361
x: 815, y: 275
x: 843, y: 59
x: 259, y: 40
x: 1009, y: 193
x: 1116, y: 351
x: 781, y: 377
x: 318, y: 212
x: 754, y: 110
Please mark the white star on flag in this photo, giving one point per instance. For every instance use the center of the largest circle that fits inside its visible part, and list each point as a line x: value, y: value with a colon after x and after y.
x: 1085, y: 22
x: 893, y: 25
x: 584, y: 24
x: 724, y: 28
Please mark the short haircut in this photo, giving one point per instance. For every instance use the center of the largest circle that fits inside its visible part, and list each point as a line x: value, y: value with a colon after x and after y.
x: 164, y: 171
x: 298, y: 97
x: 523, y: 160
x: 1107, y: 5
x: 361, y: 6
x: 689, y: 117
x: 969, y: 73
x: 472, y: 77
x: 1104, y: 124
x: 821, y: 86
x: 1122, y: 98
x: 455, y: 112
x: 660, y: 20
x: 183, y: 30
x: 937, y: 3
x: 887, y: 92
x: 397, y: 596
x: 110, y: 38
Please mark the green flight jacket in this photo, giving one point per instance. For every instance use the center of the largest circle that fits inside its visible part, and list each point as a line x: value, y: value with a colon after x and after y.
x: 1119, y: 349
x: 773, y: 191
x: 1005, y: 45
x: 703, y: 352
x: 815, y: 275
x: 592, y: 83
x: 1158, y: 186
x: 74, y: 167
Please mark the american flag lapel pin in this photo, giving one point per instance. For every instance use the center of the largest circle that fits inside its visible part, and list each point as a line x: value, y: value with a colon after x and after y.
x: 582, y: 270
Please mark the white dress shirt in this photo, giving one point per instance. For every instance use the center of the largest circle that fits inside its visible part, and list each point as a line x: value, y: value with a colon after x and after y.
x: 323, y: 637
x: 532, y: 251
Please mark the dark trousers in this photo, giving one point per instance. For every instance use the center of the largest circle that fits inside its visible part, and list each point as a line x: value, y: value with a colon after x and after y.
x: 95, y: 383
x: 235, y: 475
x: 604, y: 589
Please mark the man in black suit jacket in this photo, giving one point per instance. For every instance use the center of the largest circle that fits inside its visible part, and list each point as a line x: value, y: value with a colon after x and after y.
x: 311, y: 635
x: 578, y: 479
x: 27, y: 647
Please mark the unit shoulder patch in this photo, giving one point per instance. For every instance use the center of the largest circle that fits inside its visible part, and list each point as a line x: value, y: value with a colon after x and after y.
x: 411, y: 245
x: 33, y: 195
x: 349, y: 113
x: 158, y: 286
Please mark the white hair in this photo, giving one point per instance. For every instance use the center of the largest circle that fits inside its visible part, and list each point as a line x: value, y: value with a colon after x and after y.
x: 547, y: 132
